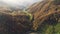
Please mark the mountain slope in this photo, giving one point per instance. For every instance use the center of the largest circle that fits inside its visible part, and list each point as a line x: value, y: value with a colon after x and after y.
x: 46, y: 12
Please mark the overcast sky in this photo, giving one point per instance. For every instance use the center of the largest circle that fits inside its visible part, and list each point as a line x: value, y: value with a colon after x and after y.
x: 19, y: 1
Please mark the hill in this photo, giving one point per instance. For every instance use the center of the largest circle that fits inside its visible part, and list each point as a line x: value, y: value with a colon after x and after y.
x: 46, y: 14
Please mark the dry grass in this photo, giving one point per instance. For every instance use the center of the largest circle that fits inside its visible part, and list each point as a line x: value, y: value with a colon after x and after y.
x: 42, y: 11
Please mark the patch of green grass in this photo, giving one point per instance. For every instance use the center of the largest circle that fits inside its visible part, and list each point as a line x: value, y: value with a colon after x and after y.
x: 50, y: 29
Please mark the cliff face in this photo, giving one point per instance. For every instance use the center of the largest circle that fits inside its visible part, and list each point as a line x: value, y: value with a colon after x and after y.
x: 45, y: 11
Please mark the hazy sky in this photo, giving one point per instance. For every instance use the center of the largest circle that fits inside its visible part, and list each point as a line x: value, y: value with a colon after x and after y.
x: 15, y: 3
x: 19, y: 1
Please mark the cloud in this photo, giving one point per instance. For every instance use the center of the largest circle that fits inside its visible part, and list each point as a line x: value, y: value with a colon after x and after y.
x: 19, y: 2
